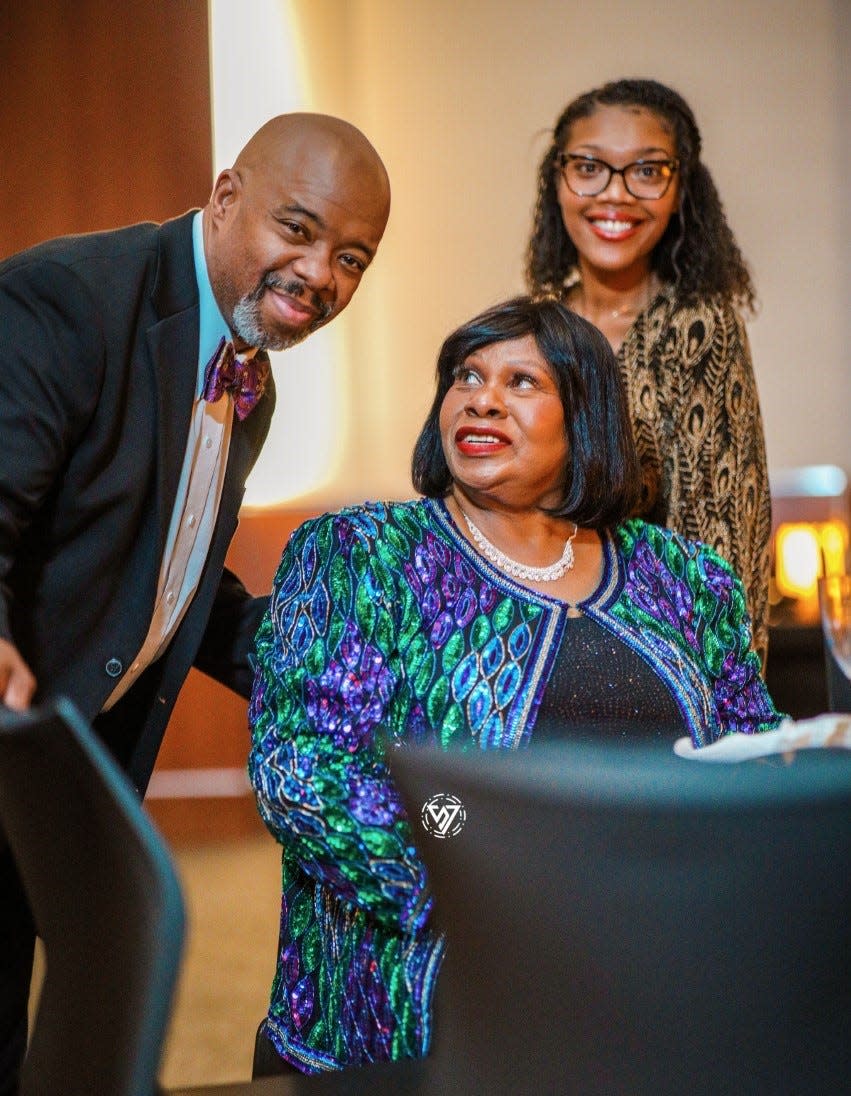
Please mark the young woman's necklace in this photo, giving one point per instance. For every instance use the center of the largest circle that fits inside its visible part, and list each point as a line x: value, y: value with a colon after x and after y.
x: 629, y: 308
x: 522, y: 570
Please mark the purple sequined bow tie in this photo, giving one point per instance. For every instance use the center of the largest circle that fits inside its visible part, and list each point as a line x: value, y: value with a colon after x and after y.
x: 245, y: 380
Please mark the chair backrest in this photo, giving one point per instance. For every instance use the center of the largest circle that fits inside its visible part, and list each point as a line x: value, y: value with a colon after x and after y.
x: 623, y: 921
x: 106, y: 902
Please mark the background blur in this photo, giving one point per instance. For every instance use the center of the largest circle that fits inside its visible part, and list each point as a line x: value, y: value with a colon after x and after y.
x: 113, y: 113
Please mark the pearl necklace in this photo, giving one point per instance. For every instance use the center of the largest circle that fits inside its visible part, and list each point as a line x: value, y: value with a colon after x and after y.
x: 522, y: 570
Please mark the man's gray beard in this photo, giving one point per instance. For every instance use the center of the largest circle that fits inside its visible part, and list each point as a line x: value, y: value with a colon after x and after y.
x: 247, y: 322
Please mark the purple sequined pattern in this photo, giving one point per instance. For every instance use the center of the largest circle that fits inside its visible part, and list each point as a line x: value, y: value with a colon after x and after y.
x: 385, y: 628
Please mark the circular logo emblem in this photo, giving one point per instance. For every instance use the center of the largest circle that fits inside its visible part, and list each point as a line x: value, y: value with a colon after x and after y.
x: 443, y: 815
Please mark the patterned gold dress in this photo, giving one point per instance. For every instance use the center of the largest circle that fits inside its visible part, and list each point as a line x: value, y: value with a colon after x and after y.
x: 698, y: 428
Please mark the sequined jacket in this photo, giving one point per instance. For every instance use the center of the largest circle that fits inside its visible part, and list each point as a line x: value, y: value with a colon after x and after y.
x: 386, y: 627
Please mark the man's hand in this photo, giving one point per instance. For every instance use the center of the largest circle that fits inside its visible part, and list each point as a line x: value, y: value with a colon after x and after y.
x: 17, y: 683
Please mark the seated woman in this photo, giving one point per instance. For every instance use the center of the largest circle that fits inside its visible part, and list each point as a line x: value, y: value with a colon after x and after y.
x: 516, y: 594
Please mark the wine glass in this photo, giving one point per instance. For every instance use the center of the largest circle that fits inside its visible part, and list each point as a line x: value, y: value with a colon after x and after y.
x: 835, y: 604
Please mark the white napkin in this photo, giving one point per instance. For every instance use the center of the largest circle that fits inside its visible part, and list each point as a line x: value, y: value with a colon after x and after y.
x: 830, y: 729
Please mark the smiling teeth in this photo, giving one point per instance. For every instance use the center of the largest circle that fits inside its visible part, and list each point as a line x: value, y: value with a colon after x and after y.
x: 481, y: 439
x: 617, y: 227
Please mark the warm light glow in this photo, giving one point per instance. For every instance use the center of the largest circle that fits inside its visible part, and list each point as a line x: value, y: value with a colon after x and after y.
x: 797, y: 560
x: 257, y: 72
x: 804, y: 551
x: 834, y: 546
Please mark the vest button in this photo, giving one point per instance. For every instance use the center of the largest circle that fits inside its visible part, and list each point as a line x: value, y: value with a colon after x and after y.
x: 114, y: 667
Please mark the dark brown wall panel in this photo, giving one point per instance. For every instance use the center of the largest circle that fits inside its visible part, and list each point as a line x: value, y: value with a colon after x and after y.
x: 104, y: 116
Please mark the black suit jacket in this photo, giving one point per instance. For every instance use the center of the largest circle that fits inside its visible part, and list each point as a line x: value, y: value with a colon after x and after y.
x: 98, y: 367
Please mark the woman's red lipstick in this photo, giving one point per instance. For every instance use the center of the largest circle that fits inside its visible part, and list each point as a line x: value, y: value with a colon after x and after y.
x: 480, y: 440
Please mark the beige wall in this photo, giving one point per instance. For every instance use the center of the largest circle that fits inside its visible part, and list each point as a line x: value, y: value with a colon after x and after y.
x: 456, y: 93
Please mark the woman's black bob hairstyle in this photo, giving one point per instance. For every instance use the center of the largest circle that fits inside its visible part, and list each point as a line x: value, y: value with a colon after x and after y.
x: 602, y: 477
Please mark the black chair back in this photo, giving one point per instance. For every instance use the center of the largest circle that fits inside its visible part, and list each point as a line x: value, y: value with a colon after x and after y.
x: 623, y: 921
x: 106, y: 902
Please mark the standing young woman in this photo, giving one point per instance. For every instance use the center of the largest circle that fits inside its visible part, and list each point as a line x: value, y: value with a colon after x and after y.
x: 629, y: 232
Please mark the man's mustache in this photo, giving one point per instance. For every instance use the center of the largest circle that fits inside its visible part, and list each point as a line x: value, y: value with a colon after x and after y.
x: 295, y: 288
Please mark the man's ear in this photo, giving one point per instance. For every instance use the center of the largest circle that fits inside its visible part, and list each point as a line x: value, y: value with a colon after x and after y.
x: 226, y: 192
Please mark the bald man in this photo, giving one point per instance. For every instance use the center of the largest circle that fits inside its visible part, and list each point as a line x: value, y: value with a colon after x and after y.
x: 134, y: 399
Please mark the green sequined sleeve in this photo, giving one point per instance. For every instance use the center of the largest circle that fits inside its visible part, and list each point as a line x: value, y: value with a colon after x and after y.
x: 327, y: 676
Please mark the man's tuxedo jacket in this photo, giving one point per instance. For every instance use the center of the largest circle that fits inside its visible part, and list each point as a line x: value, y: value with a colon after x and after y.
x: 98, y: 370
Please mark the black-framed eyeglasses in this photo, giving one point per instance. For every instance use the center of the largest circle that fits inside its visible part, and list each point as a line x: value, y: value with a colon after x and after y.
x: 587, y: 176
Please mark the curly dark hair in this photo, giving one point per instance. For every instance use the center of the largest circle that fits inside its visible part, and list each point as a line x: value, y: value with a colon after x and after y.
x: 602, y: 477
x: 697, y: 252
